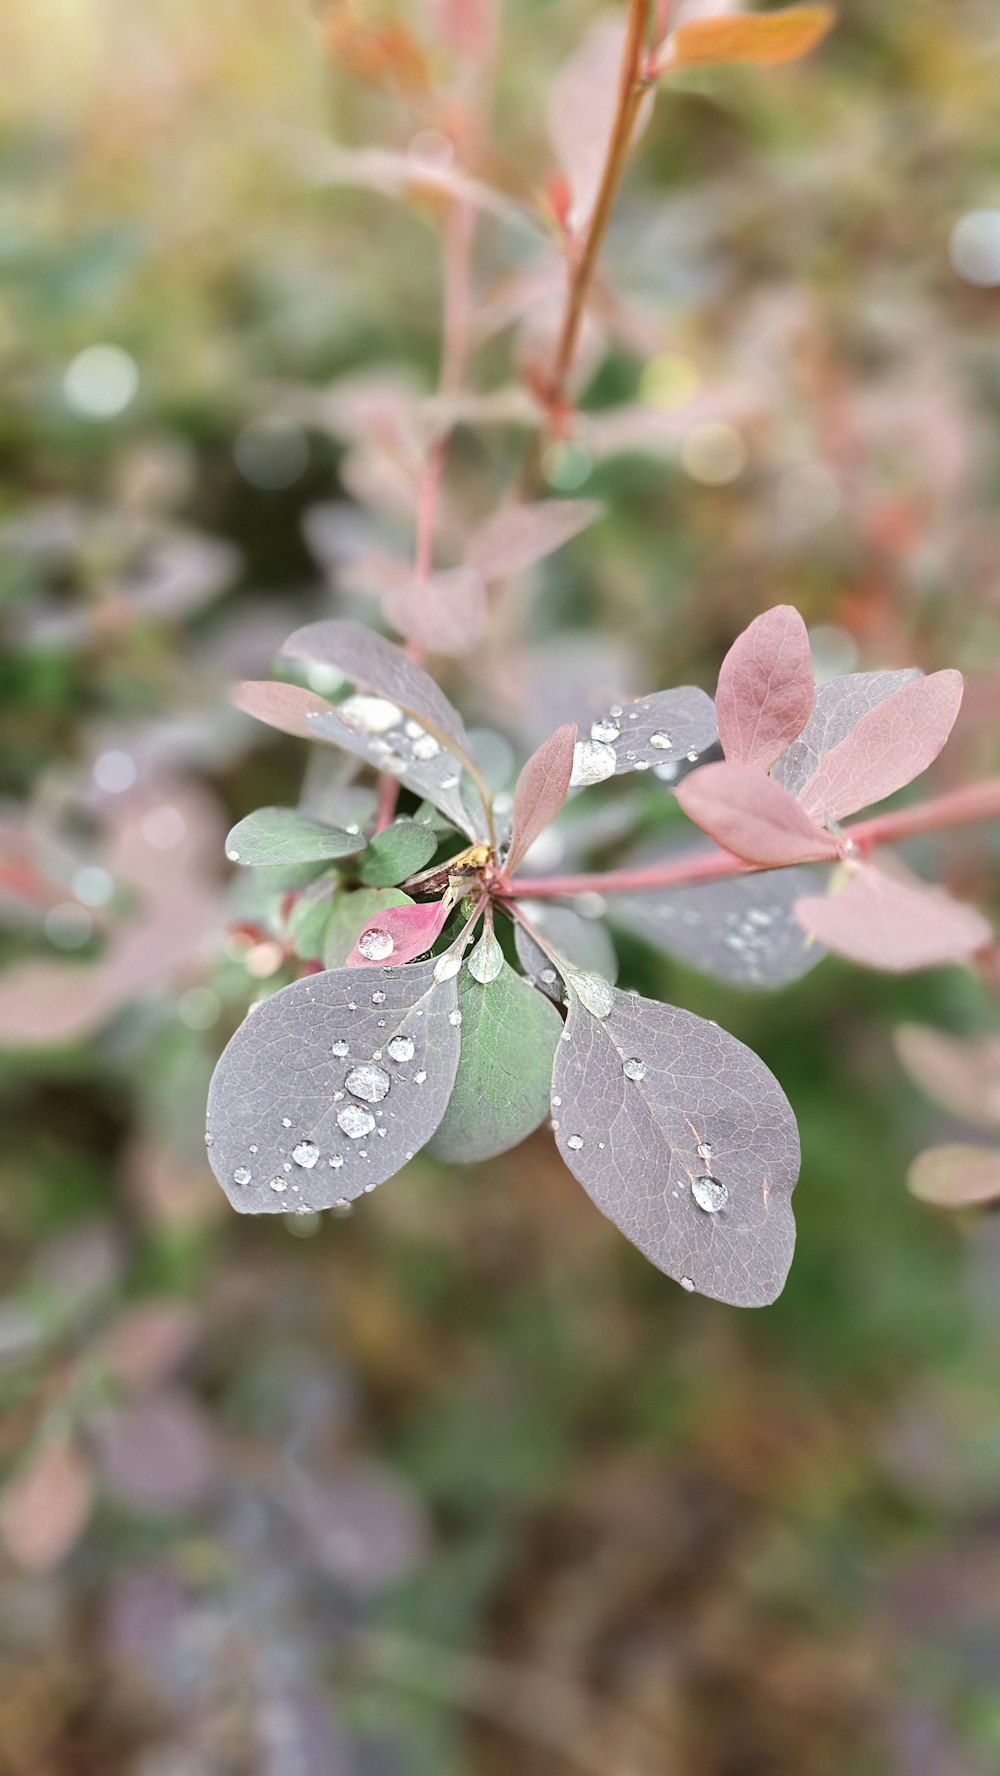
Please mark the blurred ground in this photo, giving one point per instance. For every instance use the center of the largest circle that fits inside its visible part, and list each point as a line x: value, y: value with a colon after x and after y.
x: 458, y: 1485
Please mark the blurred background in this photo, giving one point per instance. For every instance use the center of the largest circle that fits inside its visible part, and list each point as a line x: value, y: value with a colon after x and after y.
x: 457, y: 1484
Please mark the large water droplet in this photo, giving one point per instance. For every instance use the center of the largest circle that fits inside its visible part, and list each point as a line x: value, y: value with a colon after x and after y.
x: 661, y: 740
x: 486, y: 960
x: 369, y: 1082
x: 400, y: 1048
x: 709, y: 1194
x: 448, y: 965
x: 278, y: 1183
x: 373, y: 715
x: 592, y: 763
x: 375, y: 944
x: 242, y: 1175
x: 605, y: 731
x: 355, y: 1122
x: 634, y: 1068
x: 426, y: 747
x: 305, y: 1153
x: 595, y: 993
x: 687, y: 1283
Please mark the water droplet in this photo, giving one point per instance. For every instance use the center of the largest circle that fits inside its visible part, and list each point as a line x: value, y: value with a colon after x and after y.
x: 369, y: 1082
x: 278, y: 1183
x: 693, y: 756
x: 401, y: 1048
x: 556, y: 1100
x: 449, y: 782
x: 687, y: 1283
x: 605, y: 731
x: 634, y: 1068
x: 373, y: 715
x: 209, y: 1139
x: 286, y: 1122
x: 339, y: 1048
x: 375, y: 944
x: 242, y: 1175
x: 595, y: 993
x: 548, y: 975
x: 305, y: 1153
x: 575, y: 1141
x: 337, y: 1161
x: 355, y: 1122
x: 233, y: 855
x: 704, y: 1150
x: 418, y: 1078
x: 378, y: 998
x: 455, y: 1017
x: 486, y: 960
x: 592, y: 763
x: 661, y: 740
x: 253, y: 1147
x: 709, y: 1194
x: 426, y: 747
x: 448, y: 965
x: 642, y: 764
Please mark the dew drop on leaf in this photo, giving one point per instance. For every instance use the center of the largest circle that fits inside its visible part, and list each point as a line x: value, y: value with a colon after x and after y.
x: 633, y: 1068
x: 376, y: 944
x: 369, y: 1082
x: 593, y: 762
x: 605, y: 731
x: 373, y: 715
x: 278, y: 1182
x: 575, y: 1141
x: 661, y: 740
x: 305, y: 1153
x: 709, y: 1194
x: 593, y: 991
x: 400, y: 1048
x: 340, y: 1047
x: 447, y: 965
x: 242, y: 1175
x: 355, y: 1122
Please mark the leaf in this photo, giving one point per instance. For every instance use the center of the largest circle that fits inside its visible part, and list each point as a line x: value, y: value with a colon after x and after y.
x: 349, y: 915
x: 583, y: 942
x: 45, y: 1507
x: 391, y: 938
x: 509, y: 1038
x: 964, y: 1077
x: 957, y: 1176
x: 580, y: 112
x: 889, y: 746
x: 309, y: 916
x: 377, y: 665
x: 286, y: 707
x: 654, y: 733
x: 282, y: 1086
x: 540, y: 792
x: 743, y: 930
x: 765, y: 692
x: 839, y: 706
x: 158, y: 1455
x: 397, y: 852
x: 764, y: 37
x: 632, y: 1138
x: 894, y: 925
x: 747, y: 813
x: 283, y: 835
x: 517, y: 537
x: 445, y: 614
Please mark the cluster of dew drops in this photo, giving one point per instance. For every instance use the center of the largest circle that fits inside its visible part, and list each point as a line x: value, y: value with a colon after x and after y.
x: 391, y: 735
x: 595, y: 760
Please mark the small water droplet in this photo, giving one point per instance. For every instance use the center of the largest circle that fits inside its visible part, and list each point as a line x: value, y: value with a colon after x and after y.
x: 709, y: 1194
x: 253, y: 1147
x: 448, y: 965
x: 693, y: 756
x: 278, y: 1183
x: 378, y: 998
x: 369, y: 1082
x: 633, y: 1068
x: 340, y: 1047
x: 375, y: 944
x: 401, y: 1048
x: 337, y: 1161
x: 449, y: 782
x: 704, y: 1150
x: 455, y: 1017
x: 661, y: 740
x: 593, y: 762
x: 687, y: 1283
x: 548, y: 975
x: 575, y: 1141
x: 232, y: 854
x: 305, y: 1153
x: 355, y: 1122
x: 373, y: 715
x: 418, y: 1078
x: 286, y: 1122
x: 426, y: 747
x: 605, y: 731
x: 556, y: 1100
x: 242, y: 1175
x: 209, y: 1139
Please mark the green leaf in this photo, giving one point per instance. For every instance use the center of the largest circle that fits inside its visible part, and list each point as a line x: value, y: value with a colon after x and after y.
x: 349, y: 916
x: 282, y: 835
x: 396, y: 853
x: 310, y: 914
x: 509, y: 1037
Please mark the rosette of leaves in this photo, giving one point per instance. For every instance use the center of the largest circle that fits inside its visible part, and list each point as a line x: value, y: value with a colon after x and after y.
x: 419, y: 1033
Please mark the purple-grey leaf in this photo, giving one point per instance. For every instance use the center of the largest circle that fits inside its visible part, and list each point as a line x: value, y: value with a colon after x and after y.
x: 839, y: 706
x: 685, y: 1140
x: 363, y: 1525
x: 583, y: 942
x: 742, y: 930
x: 157, y: 1455
x: 331, y: 1085
x: 377, y: 665
x: 405, y: 750
x: 664, y: 733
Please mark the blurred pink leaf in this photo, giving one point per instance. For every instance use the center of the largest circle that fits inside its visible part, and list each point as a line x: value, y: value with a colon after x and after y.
x: 541, y: 791
x: 445, y: 614
x: 286, y: 707
x: 765, y: 691
x: 890, y: 745
x: 157, y: 1455
x: 518, y: 536
x: 399, y: 934
x: 956, y: 1176
x: 746, y: 812
x: 365, y: 1527
x: 145, y: 1344
x: 45, y: 1507
x: 962, y: 1076
x: 581, y: 109
x: 893, y: 924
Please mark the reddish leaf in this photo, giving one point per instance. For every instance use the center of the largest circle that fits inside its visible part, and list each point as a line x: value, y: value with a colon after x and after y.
x: 892, y: 924
x: 765, y: 692
x: 45, y: 1507
x: 284, y: 706
x: 956, y: 1176
x: 581, y: 108
x: 398, y: 935
x: 747, y: 813
x: 158, y: 1455
x: 541, y: 791
x: 839, y: 706
x: 445, y: 614
x: 147, y: 1343
x: 518, y: 536
x: 891, y: 745
x: 962, y: 1076
x: 765, y: 38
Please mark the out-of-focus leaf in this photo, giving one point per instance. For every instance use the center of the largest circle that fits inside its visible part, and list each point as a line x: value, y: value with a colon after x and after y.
x: 962, y: 1076
x: 541, y: 791
x: 893, y: 924
x: 45, y: 1507
x: 286, y: 707
x: 158, y: 1455
x: 376, y: 665
x: 659, y: 733
x: 509, y: 1037
x: 283, y: 835
x: 765, y: 692
x: 517, y: 537
x: 349, y: 915
x: 839, y: 706
x: 147, y: 1343
x: 749, y: 814
x: 331, y: 1085
x: 583, y: 942
x: 957, y: 1176
x: 363, y: 1525
x: 309, y: 917
x: 763, y: 37
x: 888, y: 747
x: 397, y: 852
x: 445, y: 614
x: 581, y: 108
x: 392, y: 938
x: 635, y: 1095
x: 742, y: 930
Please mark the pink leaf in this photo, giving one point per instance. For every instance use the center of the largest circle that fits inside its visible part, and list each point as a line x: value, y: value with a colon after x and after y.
x: 963, y: 1076
x: 518, y: 536
x: 283, y: 706
x: 45, y: 1507
x: 398, y: 934
x: 956, y: 1176
x: 890, y: 746
x: 445, y: 614
x: 892, y: 924
x: 765, y: 692
x: 746, y: 812
x: 541, y: 791
x: 582, y: 102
